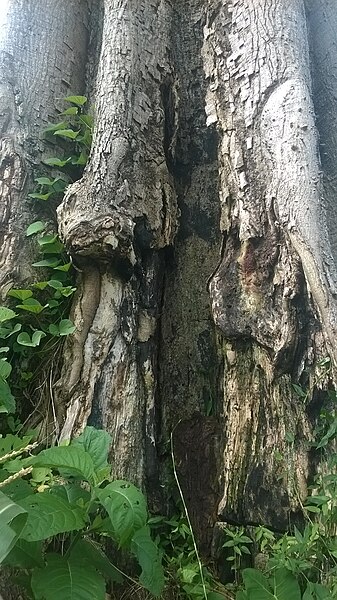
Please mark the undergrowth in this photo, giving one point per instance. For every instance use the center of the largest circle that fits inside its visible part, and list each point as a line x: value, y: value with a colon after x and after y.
x: 60, y: 505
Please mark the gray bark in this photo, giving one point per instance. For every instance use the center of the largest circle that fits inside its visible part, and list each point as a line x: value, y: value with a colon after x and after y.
x: 204, y: 238
x: 43, y: 48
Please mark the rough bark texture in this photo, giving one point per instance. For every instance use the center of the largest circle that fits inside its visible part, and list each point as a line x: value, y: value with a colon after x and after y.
x: 204, y: 236
x: 43, y: 48
x: 205, y: 144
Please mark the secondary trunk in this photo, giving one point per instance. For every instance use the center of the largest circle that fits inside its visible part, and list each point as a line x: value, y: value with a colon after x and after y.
x: 206, y: 260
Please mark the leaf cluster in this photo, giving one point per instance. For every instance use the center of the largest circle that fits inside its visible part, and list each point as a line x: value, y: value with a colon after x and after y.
x: 53, y: 521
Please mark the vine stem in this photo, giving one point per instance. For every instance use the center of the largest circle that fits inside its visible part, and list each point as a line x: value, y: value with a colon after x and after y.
x: 181, y: 494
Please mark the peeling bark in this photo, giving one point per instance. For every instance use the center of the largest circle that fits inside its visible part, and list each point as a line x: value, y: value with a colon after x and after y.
x: 204, y: 237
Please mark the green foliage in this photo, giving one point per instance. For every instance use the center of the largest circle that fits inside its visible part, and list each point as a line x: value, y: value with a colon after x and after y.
x: 74, y: 502
x: 38, y: 319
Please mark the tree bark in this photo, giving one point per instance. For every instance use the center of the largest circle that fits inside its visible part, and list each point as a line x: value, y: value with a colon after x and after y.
x: 43, y: 48
x: 203, y: 233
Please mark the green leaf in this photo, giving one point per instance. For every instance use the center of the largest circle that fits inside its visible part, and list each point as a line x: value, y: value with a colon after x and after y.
x: 78, y: 100
x: 11, y: 442
x: 67, y: 133
x: 25, y: 555
x: 37, y: 196
x: 285, y: 585
x: 53, y: 329
x: 56, y: 248
x: 50, y: 238
x: 31, y: 305
x: 12, y: 521
x: 20, y: 294
x: 241, y: 596
x: 97, y: 443
x: 57, y: 162
x: 64, y: 579
x: 55, y: 126
x: 88, y: 551
x: 66, y: 327
x: 149, y: 558
x: 7, y: 400
x: 47, y: 262
x: 281, y: 586
x: 40, y: 285
x: 82, y: 159
x: 44, y: 181
x: 64, y: 268
x: 73, y: 110
x: 6, y: 314
x: 70, y: 458
x: 87, y: 120
x: 35, y: 227
x: 24, y: 339
x: 49, y: 515
x: 55, y: 284
x: 73, y: 493
x: 126, y: 507
x: 5, y: 368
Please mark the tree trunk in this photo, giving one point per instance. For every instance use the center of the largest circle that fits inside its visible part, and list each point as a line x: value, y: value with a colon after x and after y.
x: 202, y: 230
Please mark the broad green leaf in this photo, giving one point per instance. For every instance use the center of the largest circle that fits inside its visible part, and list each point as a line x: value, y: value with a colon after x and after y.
x: 285, y: 585
x: 56, y: 162
x: 7, y: 400
x: 78, y: 100
x: 126, y: 507
x: 316, y: 591
x: 149, y: 559
x: 31, y: 305
x: 66, y: 292
x: 53, y: 248
x: 35, y: 227
x: 70, y: 458
x: 73, y: 110
x: 73, y: 493
x: 6, y: 314
x: 96, y: 442
x: 55, y: 126
x: 47, y: 239
x: 12, y: 521
x: 217, y: 596
x: 87, y: 120
x: 47, y: 262
x: 88, y: 551
x: 37, y: 196
x: 82, y: 159
x: 241, y: 596
x: 16, y: 328
x: 64, y: 579
x: 49, y: 515
x: 281, y: 586
x: 55, y: 284
x: 64, y: 268
x: 11, y: 442
x: 20, y: 294
x: 40, y: 285
x: 24, y: 339
x: 44, y: 181
x: 53, y: 329
x: 25, y: 555
x: 5, y: 368
x: 257, y: 585
x: 66, y: 327
x: 15, y: 489
x: 67, y: 133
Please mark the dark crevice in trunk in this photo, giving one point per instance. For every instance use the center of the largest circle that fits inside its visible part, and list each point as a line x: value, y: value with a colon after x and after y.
x: 190, y: 361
